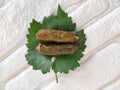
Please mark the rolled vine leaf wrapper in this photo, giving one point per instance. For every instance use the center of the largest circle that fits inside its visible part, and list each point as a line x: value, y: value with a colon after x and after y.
x: 56, y: 36
x: 61, y: 49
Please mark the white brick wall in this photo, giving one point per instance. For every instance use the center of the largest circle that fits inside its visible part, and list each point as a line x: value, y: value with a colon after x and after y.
x: 100, y: 67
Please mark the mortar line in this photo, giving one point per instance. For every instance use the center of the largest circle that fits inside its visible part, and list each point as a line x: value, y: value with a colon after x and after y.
x: 109, y: 82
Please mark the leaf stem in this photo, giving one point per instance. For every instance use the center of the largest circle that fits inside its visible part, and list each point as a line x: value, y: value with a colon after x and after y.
x: 56, y: 77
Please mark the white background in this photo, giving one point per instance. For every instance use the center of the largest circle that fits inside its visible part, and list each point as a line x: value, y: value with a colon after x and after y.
x: 100, y: 67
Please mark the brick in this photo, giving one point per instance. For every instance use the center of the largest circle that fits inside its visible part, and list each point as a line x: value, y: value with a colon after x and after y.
x: 102, y: 31
x: 28, y: 80
x: 88, y: 10
x: 13, y: 63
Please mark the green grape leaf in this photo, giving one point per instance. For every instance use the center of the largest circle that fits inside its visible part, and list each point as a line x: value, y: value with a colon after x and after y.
x: 38, y: 61
x: 61, y: 21
x: 34, y: 27
x: 63, y: 63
